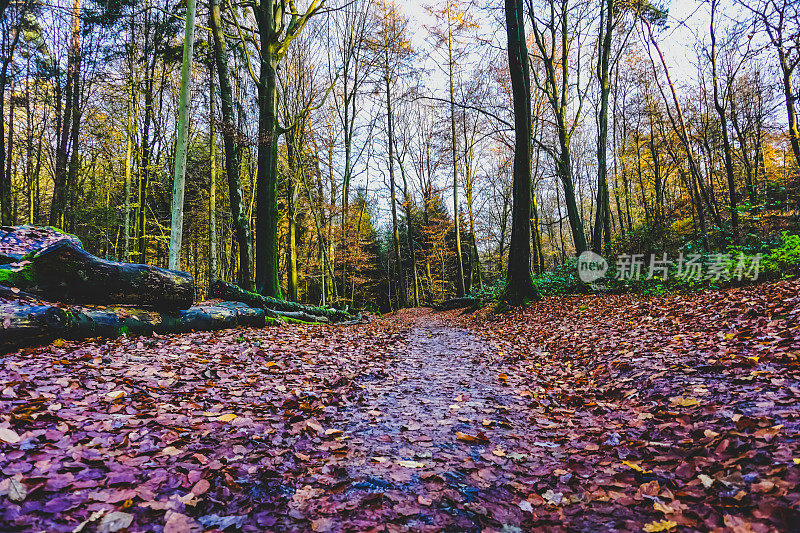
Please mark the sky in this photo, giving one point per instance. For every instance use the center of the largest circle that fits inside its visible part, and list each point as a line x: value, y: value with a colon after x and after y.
x: 688, y: 22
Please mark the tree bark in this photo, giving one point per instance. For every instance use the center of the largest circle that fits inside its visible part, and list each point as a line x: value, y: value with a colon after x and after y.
x: 241, y: 222
x: 33, y: 322
x: 179, y: 177
x: 65, y: 272
x: 519, y: 284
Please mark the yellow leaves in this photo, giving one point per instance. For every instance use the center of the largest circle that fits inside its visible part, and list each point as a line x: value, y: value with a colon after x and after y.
x: 658, y: 506
x: 227, y: 417
x: 684, y: 402
x: 170, y: 451
x: 9, y: 436
x: 480, y: 438
x: 707, y: 481
x: 59, y: 343
x: 270, y: 364
x: 660, y: 525
x: 115, y: 395
x: 796, y: 461
x: 411, y: 464
x: 636, y: 467
x: 502, y: 377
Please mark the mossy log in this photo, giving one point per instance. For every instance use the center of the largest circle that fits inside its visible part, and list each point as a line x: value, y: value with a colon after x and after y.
x: 63, y: 271
x: 229, y: 291
x: 26, y: 322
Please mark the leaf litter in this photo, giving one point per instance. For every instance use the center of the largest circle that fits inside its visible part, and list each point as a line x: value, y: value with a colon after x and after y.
x: 591, y: 413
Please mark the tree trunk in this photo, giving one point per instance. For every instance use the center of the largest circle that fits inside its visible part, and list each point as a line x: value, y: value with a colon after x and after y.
x: 228, y: 291
x: 603, y: 76
x: 401, y: 290
x: 179, y: 177
x: 456, y: 215
x: 267, y: 263
x: 241, y: 222
x: 212, y: 178
x: 726, y: 143
x: 519, y: 284
x: 30, y: 322
x: 60, y: 192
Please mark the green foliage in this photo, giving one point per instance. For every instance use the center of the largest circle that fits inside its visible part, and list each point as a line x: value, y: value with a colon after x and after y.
x: 784, y: 260
x: 780, y: 258
x: 561, y: 280
x: 489, y: 292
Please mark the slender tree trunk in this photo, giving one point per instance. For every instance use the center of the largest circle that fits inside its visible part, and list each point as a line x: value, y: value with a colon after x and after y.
x: 7, y: 162
x: 179, y: 178
x: 291, y: 215
x: 680, y: 128
x: 212, y: 186
x: 401, y: 290
x: 603, y: 76
x: 62, y: 154
x: 241, y: 223
x: 456, y: 215
x: 726, y: 143
x: 410, y: 232
x: 5, y: 177
x: 791, y: 98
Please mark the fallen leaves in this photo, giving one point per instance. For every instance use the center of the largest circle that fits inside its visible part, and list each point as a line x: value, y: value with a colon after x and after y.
x: 646, y: 413
x: 114, y: 521
x: 661, y: 525
x: 9, y: 436
x: 17, y: 492
x: 411, y: 464
x: 480, y: 438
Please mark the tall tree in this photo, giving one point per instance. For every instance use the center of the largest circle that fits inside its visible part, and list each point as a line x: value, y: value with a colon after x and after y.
x: 179, y: 178
x: 68, y: 121
x: 553, y: 35
x: 519, y: 284
x: 279, y: 22
x: 457, y: 22
x: 391, y: 52
x: 230, y: 140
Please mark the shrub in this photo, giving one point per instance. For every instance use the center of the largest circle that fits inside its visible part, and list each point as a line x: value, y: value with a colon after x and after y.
x: 784, y: 260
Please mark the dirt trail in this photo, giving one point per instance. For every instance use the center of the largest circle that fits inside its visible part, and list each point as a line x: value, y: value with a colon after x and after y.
x: 439, y: 385
x: 431, y: 429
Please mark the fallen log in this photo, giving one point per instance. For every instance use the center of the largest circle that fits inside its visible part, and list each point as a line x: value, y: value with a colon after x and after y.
x: 302, y: 316
x: 228, y: 291
x: 26, y: 322
x: 60, y: 269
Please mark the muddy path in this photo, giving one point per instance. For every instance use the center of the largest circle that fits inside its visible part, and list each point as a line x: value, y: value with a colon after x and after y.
x: 435, y: 430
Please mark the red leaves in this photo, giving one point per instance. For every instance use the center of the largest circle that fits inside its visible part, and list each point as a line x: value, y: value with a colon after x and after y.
x: 637, y: 412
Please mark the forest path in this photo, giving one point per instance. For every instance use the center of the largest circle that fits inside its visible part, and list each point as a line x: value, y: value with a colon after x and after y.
x: 441, y: 383
x: 436, y: 421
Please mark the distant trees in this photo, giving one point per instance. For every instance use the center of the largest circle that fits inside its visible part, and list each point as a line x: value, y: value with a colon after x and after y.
x: 375, y: 174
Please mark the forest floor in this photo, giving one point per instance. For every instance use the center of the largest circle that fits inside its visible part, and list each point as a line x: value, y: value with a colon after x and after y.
x: 586, y: 413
